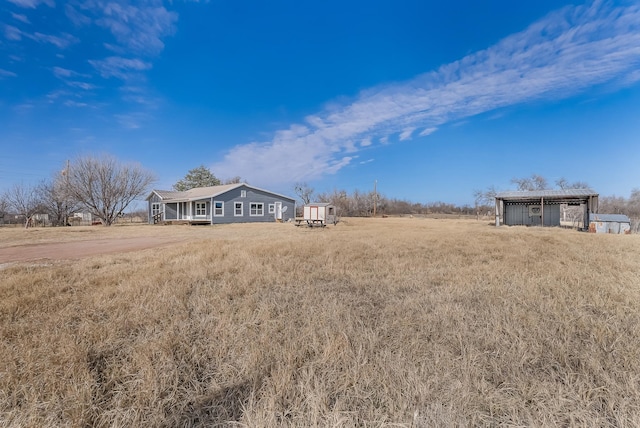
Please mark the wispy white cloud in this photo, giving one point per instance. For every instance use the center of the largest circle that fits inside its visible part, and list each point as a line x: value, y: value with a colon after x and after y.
x: 81, y: 85
x: 406, y: 133
x: 122, y: 68
x: 63, y: 41
x: 71, y: 103
x: 32, y: 4
x: 428, y: 131
x: 132, y: 32
x: 6, y: 73
x: 561, y: 55
x: 76, y: 16
x: 140, y: 28
x: 133, y: 120
x: 12, y: 33
x: 366, y: 142
x: 20, y: 17
x: 60, y: 72
x: 53, y: 96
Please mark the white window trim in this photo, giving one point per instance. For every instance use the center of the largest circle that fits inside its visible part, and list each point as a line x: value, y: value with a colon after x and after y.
x: 261, y: 204
x: 243, y: 193
x: 272, y: 208
x: 202, y: 207
x: 156, y: 208
x: 235, y: 214
x: 214, y: 209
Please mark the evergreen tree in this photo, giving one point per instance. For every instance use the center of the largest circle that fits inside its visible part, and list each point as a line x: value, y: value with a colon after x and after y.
x: 197, y: 177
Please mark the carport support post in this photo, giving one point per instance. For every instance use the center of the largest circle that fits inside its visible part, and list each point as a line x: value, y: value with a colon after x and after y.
x: 497, y: 212
x: 542, y: 211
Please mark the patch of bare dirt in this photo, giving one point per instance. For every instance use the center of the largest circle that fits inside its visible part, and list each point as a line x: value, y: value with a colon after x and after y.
x: 82, y: 249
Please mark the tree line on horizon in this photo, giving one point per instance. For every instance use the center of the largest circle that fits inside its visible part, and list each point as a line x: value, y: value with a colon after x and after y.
x: 361, y: 204
x: 105, y: 187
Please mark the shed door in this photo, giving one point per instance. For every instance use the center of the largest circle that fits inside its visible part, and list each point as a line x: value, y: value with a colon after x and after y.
x: 314, y: 213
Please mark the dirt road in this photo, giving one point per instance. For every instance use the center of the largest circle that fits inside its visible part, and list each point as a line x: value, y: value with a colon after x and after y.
x: 81, y: 249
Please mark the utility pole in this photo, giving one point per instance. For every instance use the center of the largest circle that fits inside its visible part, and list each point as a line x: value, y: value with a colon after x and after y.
x: 375, y: 196
x: 66, y: 195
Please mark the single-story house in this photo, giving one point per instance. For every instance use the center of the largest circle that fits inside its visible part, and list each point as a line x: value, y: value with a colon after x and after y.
x: 228, y: 203
x: 609, y: 223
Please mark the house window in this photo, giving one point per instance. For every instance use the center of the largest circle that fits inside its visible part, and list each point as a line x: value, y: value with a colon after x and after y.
x: 218, y: 208
x: 155, y: 208
x: 243, y: 193
x: 256, y: 209
x: 237, y: 209
x: 272, y: 208
x: 201, y: 208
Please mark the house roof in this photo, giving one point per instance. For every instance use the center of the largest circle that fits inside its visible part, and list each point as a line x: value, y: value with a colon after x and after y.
x: 198, y: 193
x: 551, y: 194
x: 620, y: 218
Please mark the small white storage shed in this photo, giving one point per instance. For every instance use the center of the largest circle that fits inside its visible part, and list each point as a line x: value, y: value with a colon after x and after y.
x: 319, y: 214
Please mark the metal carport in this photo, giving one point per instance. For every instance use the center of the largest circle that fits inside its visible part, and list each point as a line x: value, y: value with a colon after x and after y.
x: 542, y: 207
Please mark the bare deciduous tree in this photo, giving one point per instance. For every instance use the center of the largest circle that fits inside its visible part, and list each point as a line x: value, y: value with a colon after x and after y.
x: 4, y: 206
x: 484, y: 200
x: 612, y: 204
x: 106, y: 186
x: 56, y: 199
x: 25, y: 201
x: 304, y: 192
x: 563, y: 183
x: 633, y: 209
x: 233, y: 180
x: 535, y: 182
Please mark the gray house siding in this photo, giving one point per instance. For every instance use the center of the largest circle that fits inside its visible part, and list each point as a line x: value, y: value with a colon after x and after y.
x: 171, y: 211
x: 252, y: 196
x: 173, y: 208
x: 207, y: 211
x: 154, y: 198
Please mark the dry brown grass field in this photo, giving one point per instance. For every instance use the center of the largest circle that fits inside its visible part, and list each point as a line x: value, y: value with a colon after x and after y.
x: 373, y: 322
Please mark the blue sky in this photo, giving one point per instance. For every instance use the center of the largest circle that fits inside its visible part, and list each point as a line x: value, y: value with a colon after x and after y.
x: 431, y: 99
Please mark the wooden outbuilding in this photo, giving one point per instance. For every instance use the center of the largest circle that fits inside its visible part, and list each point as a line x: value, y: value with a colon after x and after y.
x: 318, y: 214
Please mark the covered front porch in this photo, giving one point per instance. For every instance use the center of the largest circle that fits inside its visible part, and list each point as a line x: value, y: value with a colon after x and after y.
x: 191, y: 212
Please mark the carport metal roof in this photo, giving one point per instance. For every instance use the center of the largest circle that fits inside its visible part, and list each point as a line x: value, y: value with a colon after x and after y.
x: 547, y: 194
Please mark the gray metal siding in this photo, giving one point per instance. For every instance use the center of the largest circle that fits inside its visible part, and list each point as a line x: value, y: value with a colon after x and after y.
x: 551, y: 215
x: 518, y: 215
x: 229, y: 198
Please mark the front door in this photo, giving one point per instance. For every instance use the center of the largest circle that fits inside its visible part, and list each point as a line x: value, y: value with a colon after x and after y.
x: 278, y: 213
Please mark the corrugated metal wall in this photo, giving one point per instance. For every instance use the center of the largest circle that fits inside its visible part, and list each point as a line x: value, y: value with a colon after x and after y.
x: 518, y: 215
x: 609, y: 227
